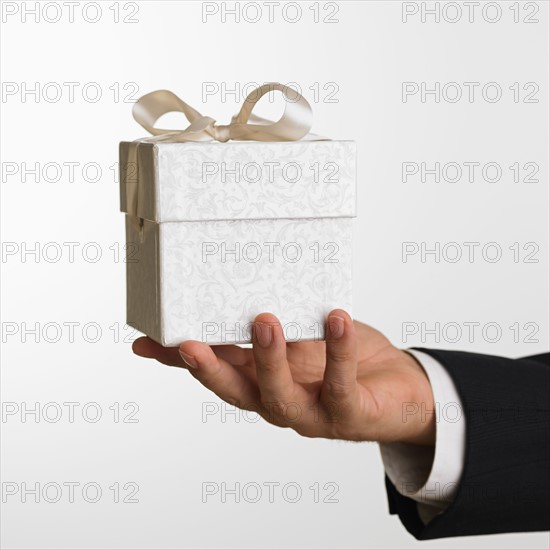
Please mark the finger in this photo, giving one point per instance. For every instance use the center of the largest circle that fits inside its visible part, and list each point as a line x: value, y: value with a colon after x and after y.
x: 145, y: 347
x: 241, y: 359
x: 219, y: 376
x: 272, y: 370
x: 340, y: 378
x: 233, y: 354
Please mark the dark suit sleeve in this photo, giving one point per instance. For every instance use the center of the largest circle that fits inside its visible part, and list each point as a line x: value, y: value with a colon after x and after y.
x: 505, y: 484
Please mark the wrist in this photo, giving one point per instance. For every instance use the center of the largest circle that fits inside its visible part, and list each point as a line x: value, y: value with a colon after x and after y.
x: 418, y: 413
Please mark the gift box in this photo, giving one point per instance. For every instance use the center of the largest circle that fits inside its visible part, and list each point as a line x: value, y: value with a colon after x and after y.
x: 217, y: 232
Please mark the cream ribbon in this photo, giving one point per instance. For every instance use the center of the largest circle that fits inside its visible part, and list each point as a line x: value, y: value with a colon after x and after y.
x: 293, y: 125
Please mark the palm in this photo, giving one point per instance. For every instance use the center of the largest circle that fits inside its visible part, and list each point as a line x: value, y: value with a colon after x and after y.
x: 376, y: 372
x: 307, y: 359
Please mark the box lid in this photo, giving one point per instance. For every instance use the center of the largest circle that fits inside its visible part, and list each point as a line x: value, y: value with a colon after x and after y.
x: 190, y: 181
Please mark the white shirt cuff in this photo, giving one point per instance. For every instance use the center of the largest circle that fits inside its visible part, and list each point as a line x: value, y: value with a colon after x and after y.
x: 431, y: 476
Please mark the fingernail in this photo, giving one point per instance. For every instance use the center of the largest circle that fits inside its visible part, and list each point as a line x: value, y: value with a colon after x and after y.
x: 335, y: 326
x: 263, y: 334
x: 189, y: 360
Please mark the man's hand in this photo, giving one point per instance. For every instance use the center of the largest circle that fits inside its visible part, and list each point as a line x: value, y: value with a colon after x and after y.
x: 355, y: 385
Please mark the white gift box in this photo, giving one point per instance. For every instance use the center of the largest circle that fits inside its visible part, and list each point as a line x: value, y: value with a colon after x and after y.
x: 220, y: 232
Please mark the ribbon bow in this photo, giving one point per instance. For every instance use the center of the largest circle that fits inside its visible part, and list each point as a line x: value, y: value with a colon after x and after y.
x: 294, y: 124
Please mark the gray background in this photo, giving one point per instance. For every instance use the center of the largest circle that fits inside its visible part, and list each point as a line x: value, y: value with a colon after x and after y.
x: 172, y: 448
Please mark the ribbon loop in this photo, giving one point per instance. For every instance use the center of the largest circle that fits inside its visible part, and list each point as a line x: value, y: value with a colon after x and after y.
x: 293, y: 125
